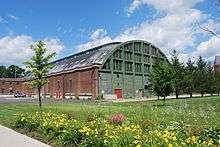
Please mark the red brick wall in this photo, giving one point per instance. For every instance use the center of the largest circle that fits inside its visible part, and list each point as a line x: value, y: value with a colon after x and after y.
x: 217, y: 68
x: 11, y: 86
x: 83, y: 81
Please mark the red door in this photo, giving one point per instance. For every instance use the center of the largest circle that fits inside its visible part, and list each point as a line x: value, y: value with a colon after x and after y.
x: 118, y: 93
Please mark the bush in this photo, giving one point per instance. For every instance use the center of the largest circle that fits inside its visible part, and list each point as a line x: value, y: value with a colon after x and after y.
x: 100, y: 97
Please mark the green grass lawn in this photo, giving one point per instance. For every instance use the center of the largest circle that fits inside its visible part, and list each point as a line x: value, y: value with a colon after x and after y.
x: 193, y: 115
x: 196, y: 113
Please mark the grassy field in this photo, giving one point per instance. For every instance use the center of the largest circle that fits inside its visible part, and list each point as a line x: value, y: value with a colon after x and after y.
x: 195, y: 114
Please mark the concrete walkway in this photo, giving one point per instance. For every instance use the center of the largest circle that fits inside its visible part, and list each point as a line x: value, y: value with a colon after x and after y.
x: 155, y: 98
x: 10, y: 138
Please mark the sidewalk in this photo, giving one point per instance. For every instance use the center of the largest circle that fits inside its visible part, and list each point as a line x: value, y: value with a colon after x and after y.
x: 155, y: 98
x: 10, y: 138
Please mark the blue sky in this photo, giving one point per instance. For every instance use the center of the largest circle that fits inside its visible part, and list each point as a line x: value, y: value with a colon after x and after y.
x: 71, y: 26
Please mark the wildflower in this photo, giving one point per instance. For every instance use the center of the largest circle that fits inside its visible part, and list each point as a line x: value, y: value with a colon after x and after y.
x: 170, y: 145
x: 193, y: 139
x: 135, y: 142
x: 210, y: 142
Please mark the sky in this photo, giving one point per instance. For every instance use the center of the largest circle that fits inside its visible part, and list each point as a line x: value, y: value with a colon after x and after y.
x: 71, y: 26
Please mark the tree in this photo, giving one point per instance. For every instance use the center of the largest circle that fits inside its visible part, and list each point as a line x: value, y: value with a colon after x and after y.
x: 210, y: 79
x: 2, y: 71
x: 189, y: 77
x: 178, y: 73
x: 14, y: 71
x: 200, y: 76
x: 161, y: 79
x: 38, y: 66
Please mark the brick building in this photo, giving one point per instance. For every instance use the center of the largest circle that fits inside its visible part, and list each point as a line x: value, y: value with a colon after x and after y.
x: 118, y: 69
x: 217, y: 64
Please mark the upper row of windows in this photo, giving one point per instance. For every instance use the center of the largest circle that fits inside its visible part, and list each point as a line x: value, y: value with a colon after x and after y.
x: 137, y: 48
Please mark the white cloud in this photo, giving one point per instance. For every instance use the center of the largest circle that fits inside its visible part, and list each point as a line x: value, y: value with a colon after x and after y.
x: 176, y: 29
x: 13, y: 17
x: 170, y: 6
x: 209, y: 48
x: 98, y: 37
x: 16, y: 49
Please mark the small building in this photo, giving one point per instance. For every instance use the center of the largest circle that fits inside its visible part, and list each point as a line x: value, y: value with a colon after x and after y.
x: 115, y: 70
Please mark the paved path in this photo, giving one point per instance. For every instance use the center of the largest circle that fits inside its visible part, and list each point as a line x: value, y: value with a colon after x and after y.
x: 155, y: 98
x: 10, y: 138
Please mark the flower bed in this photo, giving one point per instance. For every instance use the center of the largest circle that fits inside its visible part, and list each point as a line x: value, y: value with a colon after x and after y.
x: 112, y: 131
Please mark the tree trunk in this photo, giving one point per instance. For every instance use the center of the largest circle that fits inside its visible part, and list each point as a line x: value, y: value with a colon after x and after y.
x: 177, y: 94
x: 202, y: 94
x: 211, y: 94
x: 158, y: 97
x: 164, y: 99
x: 191, y: 95
x: 39, y: 97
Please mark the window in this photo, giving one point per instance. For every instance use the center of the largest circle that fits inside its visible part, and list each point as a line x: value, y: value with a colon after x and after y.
x: 118, y: 54
x: 146, y: 69
x: 70, y: 86
x: 138, y: 68
x: 137, y: 58
x: 137, y: 47
x: 128, y: 56
x: 146, y: 59
x: 58, y: 85
x: 154, y: 51
x: 128, y: 47
x: 128, y: 66
x: 117, y: 65
x: 107, y: 65
x: 146, y: 49
x: 117, y: 75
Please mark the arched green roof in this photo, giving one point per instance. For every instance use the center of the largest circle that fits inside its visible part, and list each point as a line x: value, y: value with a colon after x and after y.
x: 94, y: 56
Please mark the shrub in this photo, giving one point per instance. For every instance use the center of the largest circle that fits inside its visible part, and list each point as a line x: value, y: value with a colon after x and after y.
x: 100, y: 97
x: 117, y: 119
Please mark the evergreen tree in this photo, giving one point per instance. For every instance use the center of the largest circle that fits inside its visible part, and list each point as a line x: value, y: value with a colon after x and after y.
x: 161, y: 79
x: 200, y: 76
x: 39, y: 66
x: 189, y: 78
x: 178, y: 73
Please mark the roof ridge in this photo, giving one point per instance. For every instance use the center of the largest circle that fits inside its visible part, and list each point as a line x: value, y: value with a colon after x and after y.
x: 85, y: 51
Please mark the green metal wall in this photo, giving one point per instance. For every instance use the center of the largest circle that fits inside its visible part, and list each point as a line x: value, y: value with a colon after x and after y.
x: 128, y: 68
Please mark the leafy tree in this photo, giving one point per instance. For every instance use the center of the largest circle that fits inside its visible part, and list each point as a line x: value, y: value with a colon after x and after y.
x: 200, y: 76
x: 2, y: 71
x: 14, y: 71
x: 161, y: 79
x: 39, y: 65
x: 178, y: 73
x: 189, y: 77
